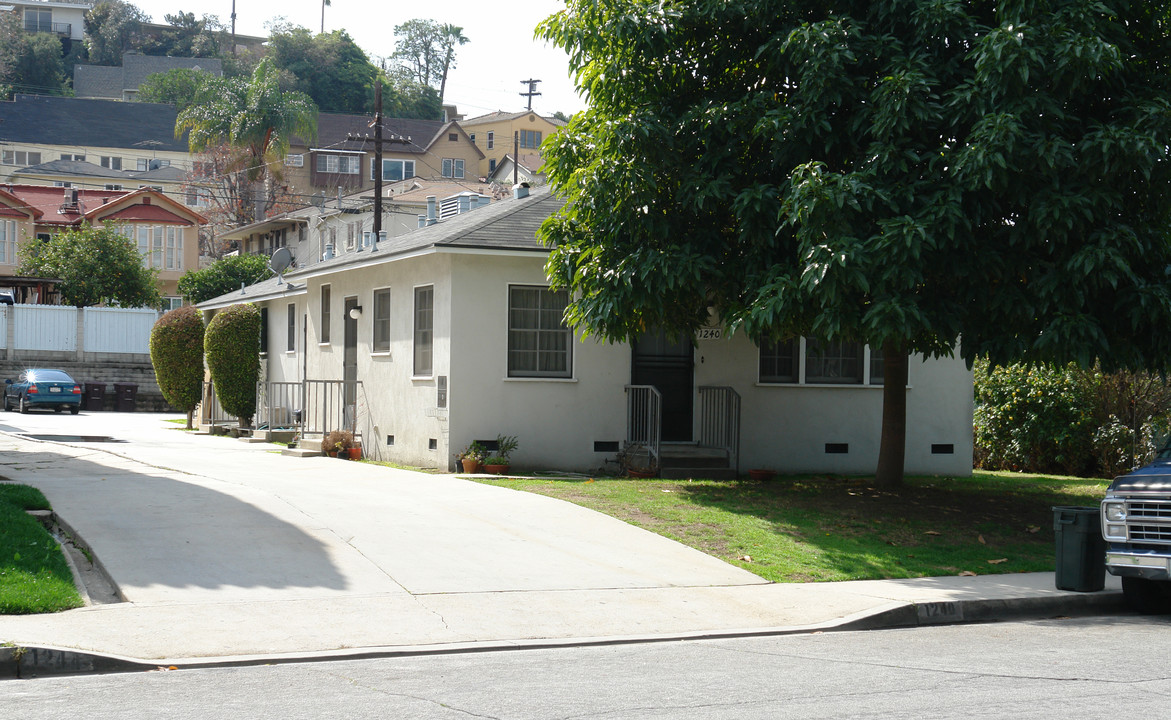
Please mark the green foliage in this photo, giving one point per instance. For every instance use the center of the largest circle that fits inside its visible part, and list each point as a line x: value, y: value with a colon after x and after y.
x: 900, y: 172
x: 95, y: 265
x: 179, y: 87
x: 35, y: 64
x: 222, y: 277
x: 330, y: 68
x: 232, y: 346
x: 188, y: 37
x: 1039, y: 419
x: 34, y: 577
x: 176, y: 352
x: 1066, y: 419
x: 506, y: 445
x: 111, y: 28
x: 252, y: 115
x: 475, y: 451
x: 426, y: 49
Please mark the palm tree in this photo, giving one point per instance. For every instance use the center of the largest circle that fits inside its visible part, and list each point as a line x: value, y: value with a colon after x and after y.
x: 324, y: 4
x: 251, y: 116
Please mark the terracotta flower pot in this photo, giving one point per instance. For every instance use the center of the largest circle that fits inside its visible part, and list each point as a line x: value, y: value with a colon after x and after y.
x: 470, y: 465
x: 497, y: 469
x: 355, y: 453
x: 762, y: 475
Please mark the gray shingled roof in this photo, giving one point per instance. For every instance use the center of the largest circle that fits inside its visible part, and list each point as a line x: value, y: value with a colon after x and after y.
x: 504, y: 225
x: 334, y: 129
x: 108, y: 82
x: 71, y: 167
x: 90, y: 123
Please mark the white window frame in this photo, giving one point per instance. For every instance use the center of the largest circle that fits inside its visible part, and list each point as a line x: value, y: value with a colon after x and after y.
x: 323, y: 328
x: 491, y: 140
x: 380, y: 321
x: 406, y: 169
x: 453, y: 168
x: 291, y: 328
x: 423, y: 332
x: 547, y: 337
x: 111, y: 162
x: 338, y: 164
x: 870, y: 369
x: 8, y: 242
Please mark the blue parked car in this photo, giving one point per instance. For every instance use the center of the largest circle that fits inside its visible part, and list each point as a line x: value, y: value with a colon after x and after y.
x: 43, y: 388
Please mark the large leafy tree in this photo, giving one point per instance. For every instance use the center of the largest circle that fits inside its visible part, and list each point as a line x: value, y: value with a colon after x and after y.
x: 920, y: 175
x: 179, y: 87
x: 176, y: 352
x: 96, y: 264
x: 329, y: 68
x: 111, y: 28
x: 187, y: 36
x: 254, y: 117
x: 427, y: 49
x: 222, y: 277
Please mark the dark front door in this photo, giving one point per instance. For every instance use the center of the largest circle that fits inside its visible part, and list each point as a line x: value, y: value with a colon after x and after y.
x: 667, y: 364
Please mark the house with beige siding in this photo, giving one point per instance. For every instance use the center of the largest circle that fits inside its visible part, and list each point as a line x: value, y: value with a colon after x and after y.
x: 496, y: 134
x: 451, y: 334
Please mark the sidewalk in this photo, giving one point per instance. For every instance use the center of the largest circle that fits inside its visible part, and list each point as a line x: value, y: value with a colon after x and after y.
x: 226, y: 552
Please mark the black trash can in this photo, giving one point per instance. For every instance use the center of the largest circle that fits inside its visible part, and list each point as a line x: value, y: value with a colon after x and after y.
x: 1081, y: 551
x: 94, y: 397
x: 126, y: 395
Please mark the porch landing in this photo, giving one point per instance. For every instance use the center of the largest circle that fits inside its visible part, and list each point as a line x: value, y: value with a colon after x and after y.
x: 688, y: 460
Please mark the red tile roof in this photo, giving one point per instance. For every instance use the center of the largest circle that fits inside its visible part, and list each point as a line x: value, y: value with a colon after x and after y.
x: 52, y: 205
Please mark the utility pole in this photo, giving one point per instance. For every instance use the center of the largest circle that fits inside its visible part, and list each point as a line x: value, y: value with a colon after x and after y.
x: 532, y: 90
x: 379, y: 141
x: 515, y: 156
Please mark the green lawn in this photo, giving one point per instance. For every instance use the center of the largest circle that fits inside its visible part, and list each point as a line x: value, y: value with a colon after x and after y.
x: 821, y: 528
x: 34, y: 577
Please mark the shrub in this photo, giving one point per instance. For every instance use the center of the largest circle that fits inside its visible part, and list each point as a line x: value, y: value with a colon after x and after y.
x: 336, y: 440
x: 1039, y: 419
x: 232, y: 344
x: 222, y: 277
x: 1067, y: 419
x: 176, y: 352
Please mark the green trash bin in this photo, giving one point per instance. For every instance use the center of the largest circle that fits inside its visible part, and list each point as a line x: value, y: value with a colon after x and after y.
x: 1081, y: 551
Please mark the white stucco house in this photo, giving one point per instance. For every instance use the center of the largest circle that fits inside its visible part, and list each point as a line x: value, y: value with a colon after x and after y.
x: 450, y: 334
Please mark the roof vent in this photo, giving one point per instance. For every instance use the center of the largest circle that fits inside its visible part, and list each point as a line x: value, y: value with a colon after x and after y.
x: 146, y: 200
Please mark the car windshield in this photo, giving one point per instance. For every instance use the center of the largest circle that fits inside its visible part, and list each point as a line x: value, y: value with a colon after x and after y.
x: 48, y: 376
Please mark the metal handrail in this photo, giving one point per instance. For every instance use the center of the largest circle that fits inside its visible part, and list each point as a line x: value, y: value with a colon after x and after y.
x: 719, y: 421
x: 644, y: 420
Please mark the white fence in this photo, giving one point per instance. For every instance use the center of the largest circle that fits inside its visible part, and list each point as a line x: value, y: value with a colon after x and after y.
x: 62, y: 329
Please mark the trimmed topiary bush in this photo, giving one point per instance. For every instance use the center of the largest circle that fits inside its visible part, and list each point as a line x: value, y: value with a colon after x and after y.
x: 176, y: 352
x: 232, y: 345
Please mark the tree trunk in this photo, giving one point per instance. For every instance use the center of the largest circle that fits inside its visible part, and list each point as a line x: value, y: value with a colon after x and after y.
x: 893, y: 446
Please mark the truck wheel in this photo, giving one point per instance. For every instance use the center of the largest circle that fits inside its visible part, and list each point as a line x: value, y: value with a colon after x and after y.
x: 1144, y: 596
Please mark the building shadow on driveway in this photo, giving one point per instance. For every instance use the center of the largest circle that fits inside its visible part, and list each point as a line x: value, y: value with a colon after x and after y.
x: 159, y: 535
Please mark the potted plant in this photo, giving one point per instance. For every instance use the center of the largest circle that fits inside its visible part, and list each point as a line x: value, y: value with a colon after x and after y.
x: 338, y: 443
x: 501, y: 461
x: 471, y: 457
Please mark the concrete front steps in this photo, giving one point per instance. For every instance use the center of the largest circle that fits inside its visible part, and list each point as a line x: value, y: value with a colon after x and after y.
x: 687, y: 460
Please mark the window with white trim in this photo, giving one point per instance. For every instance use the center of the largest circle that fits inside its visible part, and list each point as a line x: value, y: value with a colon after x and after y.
x: 324, y: 338
x: 491, y: 140
x: 453, y: 167
x: 20, y: 157
x: 73, y: 156
x: 808, y: 361
x: 339, y: 164
x: 394, y: 170
x: 172, y: 303
x: 8, y: 242
x: 540, y: 344
x: 424, y: 330
x: 111, y: 162
x: 381, y: 321
x: 291, y: 339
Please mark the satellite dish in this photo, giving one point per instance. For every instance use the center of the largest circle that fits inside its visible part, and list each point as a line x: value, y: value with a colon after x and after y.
x: 280, y: 260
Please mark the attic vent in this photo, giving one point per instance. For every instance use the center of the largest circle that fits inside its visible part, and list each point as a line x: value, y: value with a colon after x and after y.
x: 146, y: 201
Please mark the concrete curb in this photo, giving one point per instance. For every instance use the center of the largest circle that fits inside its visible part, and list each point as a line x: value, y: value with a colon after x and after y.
x: 26, y: 662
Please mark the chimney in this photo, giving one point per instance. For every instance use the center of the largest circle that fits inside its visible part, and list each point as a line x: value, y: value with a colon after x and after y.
x: 328, y: 252
x: 431, y: 219
x: 422, y: 221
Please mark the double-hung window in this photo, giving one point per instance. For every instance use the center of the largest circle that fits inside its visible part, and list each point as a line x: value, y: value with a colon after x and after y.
x: 20, y: 157
x: 424, y: 330
x: 111, y: 162
x: 381, y: 321
x: 540, y: 344
x: 530, y: 138
x: 8, y: 242
x: 339, y: 164
x: 453, y: 167
x: 491, y: 140
x: 808, y: 361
